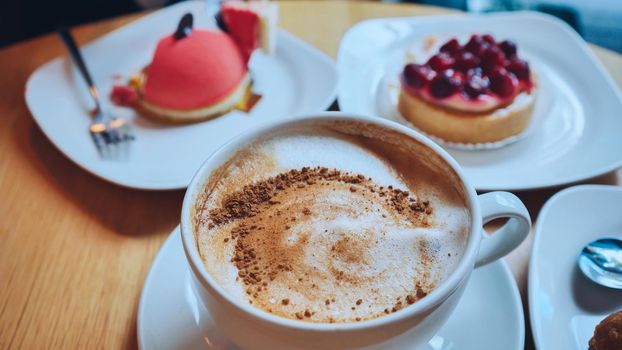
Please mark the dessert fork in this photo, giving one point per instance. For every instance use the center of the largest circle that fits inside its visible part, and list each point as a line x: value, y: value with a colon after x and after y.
x: 110, y: 134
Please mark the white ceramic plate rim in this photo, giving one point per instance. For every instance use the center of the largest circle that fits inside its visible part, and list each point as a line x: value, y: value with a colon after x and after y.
x: 527, y: 15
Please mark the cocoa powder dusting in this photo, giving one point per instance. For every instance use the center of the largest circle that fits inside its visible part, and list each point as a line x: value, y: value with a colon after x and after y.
x: 244, y: 211
x: 248, y: 201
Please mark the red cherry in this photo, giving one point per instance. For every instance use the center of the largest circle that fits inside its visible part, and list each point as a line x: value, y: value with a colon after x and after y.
x: 492, y: 57
x: 445, y: 84
x: 503, y: 83
x: 489, y: 39
x: 466, y: 60
x: 520, y: 68
x: 451, y: 47
x: 508, y: 48
x: 476, y: 45
x: 417, y: 75
x: 440, y: 62
x: 476, y: 85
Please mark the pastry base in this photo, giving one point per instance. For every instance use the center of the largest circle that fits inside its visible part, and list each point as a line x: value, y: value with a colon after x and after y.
x: 176, y: 116
x: 453, y: 126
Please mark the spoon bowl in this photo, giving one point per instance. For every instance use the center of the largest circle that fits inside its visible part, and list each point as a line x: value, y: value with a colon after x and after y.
x: 601, y: 262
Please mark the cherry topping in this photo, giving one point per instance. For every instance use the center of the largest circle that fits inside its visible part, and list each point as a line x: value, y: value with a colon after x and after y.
x: 475, y: 84
x: 476, y: 45
x: 417, y: 75
x: 508, y: 48
x: 502, y: 82
x: 489, y: 39
x: 492, y: 57
x: 440, y: 62
x: 445, y: 84
x: 451, y: 47
x: 466, y: 60
x: 520, y: 68
x: 482, y: 66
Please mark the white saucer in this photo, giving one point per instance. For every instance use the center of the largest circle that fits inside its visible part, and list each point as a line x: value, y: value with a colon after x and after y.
x: 296, y: 79
x: 489, y: 317
x: 564, y: 306
x: 576, y: 124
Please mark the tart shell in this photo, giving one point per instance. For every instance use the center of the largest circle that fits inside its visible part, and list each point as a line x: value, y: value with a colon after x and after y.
x: 468, y: 128
x: 177, y: 116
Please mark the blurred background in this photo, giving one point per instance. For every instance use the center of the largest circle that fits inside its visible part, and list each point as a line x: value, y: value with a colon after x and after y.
x: 597, y: 21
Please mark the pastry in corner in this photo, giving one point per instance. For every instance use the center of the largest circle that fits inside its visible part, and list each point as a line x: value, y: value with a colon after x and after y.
x: 608, y: 333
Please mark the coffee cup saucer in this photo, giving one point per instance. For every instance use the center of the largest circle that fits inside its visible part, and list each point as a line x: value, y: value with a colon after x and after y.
x: 171, y: 317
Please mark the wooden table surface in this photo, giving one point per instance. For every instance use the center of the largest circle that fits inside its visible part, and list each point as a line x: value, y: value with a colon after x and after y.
x: 75, y: 250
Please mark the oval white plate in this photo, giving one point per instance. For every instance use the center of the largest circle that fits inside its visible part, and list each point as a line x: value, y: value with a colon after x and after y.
x: 576, y: 126
x: 489, y: 316
x: 296, y: 79
x: 564, y: 306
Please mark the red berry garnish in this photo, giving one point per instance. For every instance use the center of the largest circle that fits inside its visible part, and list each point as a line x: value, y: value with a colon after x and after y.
x: 520, y: 68
x: 417, y: 75
x: 123, y: 95
x: 508, y: 48
x: 476, y: 85
x: 491, y: 58
x: 440, y: 62
x: 445, y: 84
x: 489, y: 39
x: 465, y: 61
x: 452, y: 46
x: 503, y: 83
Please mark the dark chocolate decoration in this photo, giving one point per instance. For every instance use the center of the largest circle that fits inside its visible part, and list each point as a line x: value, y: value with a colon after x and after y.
x: 220, y: 22
x: 184, y: 28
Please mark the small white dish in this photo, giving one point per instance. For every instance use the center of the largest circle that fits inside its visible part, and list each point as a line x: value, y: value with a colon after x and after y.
x: 171, y: 317
x: 564, y: 305
x: 297, y: 79
x: 576, y: 124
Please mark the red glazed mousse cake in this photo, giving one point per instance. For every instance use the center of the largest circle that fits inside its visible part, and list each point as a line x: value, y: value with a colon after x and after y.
x: 478, y: 92
x: 199, y: 74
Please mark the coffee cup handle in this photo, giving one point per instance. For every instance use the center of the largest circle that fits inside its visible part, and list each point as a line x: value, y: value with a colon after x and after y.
x: 495, y: 205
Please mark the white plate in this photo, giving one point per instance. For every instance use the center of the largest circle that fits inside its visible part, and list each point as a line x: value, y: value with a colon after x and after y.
x: 297, y: 79
x: 564, y: 306
x: 489, y: 316
x: 576, y: 123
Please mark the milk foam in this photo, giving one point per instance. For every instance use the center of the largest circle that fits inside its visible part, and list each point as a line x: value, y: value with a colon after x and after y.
x: 352, y: 257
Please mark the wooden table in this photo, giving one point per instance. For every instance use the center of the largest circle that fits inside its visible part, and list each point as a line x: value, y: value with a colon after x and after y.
x: 74, y: 250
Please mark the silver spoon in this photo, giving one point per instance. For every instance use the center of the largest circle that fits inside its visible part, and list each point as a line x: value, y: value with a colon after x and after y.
x: 601, y: 261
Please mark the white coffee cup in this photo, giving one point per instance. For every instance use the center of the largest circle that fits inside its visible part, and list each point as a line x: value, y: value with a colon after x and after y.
x: 413, y: 326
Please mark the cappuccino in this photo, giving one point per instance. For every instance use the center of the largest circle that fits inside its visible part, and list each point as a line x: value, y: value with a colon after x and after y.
x: 332, y: 222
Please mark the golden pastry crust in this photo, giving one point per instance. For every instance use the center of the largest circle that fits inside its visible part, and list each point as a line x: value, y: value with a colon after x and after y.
x: 174, y: 116
x: 608, y: 333
x: 454, y: 126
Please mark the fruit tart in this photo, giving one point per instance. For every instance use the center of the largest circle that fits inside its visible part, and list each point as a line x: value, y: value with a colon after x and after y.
x: 199, y: 74
x: 479, y: 92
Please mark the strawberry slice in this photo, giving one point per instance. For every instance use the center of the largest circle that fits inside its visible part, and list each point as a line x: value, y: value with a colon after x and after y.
x: 243, y: 26
x: 251, y: 24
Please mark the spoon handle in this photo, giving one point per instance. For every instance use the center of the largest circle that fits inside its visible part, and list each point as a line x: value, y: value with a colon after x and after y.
x: 79, y: 61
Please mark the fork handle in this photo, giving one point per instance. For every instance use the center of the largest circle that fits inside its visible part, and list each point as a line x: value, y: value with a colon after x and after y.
x: 70, y: 43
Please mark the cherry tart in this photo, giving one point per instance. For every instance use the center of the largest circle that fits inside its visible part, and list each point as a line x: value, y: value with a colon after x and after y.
x: 478, y: 92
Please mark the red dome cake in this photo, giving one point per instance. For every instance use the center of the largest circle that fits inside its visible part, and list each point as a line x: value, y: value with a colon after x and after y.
x: 195, y: 74
x: 200, y: 76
